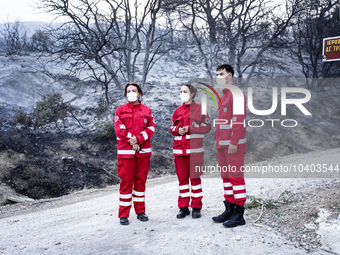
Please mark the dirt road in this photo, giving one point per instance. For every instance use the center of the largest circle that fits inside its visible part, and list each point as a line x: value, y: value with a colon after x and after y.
x: 86, y: 222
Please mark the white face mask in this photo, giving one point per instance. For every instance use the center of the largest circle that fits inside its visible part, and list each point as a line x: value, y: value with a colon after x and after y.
x: 185, y: 97
x: 132, y: 96
x: 220, y: 80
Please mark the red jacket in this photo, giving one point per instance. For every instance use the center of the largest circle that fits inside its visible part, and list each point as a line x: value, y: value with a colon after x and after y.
x: 232, y: 129
x: 191, y: 142
x: 135, y: 120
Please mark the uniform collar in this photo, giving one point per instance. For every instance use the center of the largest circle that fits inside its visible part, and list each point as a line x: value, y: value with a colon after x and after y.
x: 226, y: 89
x: 134, y: 106
x: 189, y: 105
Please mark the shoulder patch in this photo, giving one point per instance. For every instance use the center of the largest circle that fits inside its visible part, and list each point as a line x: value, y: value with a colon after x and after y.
x: 116, y: 118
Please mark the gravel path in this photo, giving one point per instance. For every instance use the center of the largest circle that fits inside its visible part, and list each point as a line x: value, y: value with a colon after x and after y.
x: 86, y: 222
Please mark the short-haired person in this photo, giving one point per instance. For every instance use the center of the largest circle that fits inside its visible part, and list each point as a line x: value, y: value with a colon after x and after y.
x: 134, y: 126
x: 230, y: 140
x: 188, y: 127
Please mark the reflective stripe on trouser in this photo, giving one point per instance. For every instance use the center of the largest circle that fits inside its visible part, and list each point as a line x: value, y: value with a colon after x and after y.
x: 133, y: 173
x: 233, y: 181
x: 187, y: 193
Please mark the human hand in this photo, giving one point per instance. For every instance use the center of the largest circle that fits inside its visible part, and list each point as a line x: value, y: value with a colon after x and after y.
x: 181, y: 131
x: 133, y: 140
x: 136, y: 147
x: 232, y: 149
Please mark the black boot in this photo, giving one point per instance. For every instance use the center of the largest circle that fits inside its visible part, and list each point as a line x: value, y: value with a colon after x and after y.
x: 124, y: 221
x: 142, y: 217
x: 196, y: 213
x: 237, y: 218
x: 229, y: 209
x: 183, y: 211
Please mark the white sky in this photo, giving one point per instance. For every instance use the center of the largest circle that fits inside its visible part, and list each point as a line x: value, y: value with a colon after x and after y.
x: 22, y: 10
x: 25, y: 10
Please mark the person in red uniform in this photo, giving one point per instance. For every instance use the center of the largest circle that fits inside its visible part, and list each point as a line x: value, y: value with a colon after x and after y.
x: 134, y: 126
x: 230, y: 140
x: 188, y: 127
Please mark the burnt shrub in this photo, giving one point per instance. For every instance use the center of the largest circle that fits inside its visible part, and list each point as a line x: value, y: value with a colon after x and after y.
x: 76, y: 175
x: 36, y: 167
x: 35, y: 180
x: 15, y: 141
x: 44, y: 179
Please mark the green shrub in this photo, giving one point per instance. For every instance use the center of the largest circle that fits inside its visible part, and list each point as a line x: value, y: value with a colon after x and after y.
x: 105, y: 131
x: 21, y: 117
x: 256, y: 203
x: 49, y: 110
x: 101, y: 109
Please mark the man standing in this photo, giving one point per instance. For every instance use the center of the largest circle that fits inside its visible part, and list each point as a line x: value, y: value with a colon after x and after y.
x: 230, y: 140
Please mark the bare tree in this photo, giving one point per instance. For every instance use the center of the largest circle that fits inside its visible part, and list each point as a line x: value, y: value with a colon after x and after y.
x: 107, y: 37
x: 153, y: 39
x: 318, y: 20
x: 192, y: 27
x: 246, y: 30
x: 15, y: 38
x: 205, y: 11
x: 260, y: 35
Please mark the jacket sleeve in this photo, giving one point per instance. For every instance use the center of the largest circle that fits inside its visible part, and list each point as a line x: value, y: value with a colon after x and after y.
x: 120, y: 128
x: 148, y: 132
x: 238, y: 126
x: 173, y: 127
x: 201, y: 128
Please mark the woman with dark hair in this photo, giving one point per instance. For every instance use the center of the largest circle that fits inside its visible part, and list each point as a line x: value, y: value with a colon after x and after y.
x: 134, y: 126
x: 188, y: 127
